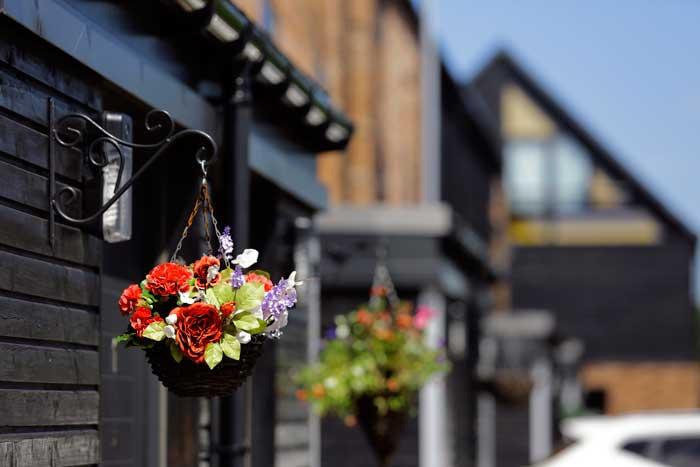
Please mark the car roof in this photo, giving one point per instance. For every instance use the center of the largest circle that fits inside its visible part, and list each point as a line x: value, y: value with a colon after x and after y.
x: 620, y: 428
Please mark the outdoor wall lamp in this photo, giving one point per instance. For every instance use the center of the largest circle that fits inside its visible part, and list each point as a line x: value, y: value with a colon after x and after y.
x: 111, y: 154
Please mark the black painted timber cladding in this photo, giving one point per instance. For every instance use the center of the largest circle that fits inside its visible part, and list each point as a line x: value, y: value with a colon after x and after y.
x: 49, y: 300
x: 626, y: 303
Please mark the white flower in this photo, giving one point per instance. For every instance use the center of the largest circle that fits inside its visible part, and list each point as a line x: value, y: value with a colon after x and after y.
x: 342, y: 331
x: 330, y: 382
x: 169, y: 331
x: 212, y: 272
x: 278, y: 324
x: 186, y: 299
x: 243, y: 337
x: 291, y: 281
x: 171, y: 319
x: 246, y: 259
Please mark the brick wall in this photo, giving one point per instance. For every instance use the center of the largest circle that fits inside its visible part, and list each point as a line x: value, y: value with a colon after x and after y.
x: 366, y: 54
x: 634, y: 387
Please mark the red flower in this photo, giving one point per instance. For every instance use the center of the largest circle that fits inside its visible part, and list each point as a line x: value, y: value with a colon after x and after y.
x: 197, y: 325
x: 141, y: 318
x: 168, y: 279
x: 201, y: 271
x: 129, y: 299
x: 228, y: 308
x: 253, y: 277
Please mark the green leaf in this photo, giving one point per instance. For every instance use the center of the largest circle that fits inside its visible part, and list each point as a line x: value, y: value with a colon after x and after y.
x: 223, y: 292
x: 231, y: 346
x: 246, y: 321
x: 213, y: 354
x: 122, y: 337
x: 210, y: 298
x: 175, y: 352
x: 226, y: 275
x: 154, y: 331
x: 249, y: 296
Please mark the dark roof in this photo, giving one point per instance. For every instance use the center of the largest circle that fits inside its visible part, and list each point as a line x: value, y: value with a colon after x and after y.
x: 291, y: 95
x: 502, y: 61
x: 473, y: 115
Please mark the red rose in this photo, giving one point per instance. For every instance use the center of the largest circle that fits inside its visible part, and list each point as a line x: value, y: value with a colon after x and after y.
x: 129, y: 299
x: 228, y: 308
x: 201, y: 271
x: 141, y: 318
x: 168, y: 279
x: 197, y: 325
x: 253, y: 277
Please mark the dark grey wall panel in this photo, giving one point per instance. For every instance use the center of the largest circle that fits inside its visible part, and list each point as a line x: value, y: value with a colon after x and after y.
x: 626, y: 303
x: 59, y: 449
x: 22, y: 407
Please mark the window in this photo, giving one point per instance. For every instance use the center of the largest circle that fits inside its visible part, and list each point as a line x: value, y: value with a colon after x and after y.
x: 681, y: 452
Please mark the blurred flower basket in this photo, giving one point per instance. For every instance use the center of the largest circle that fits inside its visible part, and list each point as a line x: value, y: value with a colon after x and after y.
x: 371, y: 368
x: 203, y: 325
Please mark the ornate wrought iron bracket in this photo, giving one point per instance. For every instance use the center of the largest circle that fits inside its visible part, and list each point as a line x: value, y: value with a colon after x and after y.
x: 83, y: 133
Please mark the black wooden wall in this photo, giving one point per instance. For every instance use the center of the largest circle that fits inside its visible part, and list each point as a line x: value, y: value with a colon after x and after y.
x: 49, y: 300
x: 626, y: 303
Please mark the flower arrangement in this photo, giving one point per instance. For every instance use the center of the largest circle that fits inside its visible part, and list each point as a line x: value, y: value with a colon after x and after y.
x: 208, y: 310
x: 375, y: 353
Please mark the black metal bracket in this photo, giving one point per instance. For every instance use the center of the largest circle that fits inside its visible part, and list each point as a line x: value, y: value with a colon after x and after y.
x: 82, y: 132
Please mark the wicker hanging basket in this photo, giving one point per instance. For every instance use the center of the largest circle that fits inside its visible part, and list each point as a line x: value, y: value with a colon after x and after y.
x: 383, y: 431
x: 189, y: 379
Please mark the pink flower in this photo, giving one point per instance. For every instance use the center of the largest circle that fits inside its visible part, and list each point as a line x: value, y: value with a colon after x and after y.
x: 423, y: 315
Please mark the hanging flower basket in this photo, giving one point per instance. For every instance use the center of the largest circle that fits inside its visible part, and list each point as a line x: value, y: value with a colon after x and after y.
x: 372, y: 366
x: 203, y: 325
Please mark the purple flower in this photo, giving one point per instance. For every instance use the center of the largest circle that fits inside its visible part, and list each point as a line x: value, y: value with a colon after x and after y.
x: 281, y: 297
x: 226, y: 243
x: 237, y: 278
x: 330, y: 333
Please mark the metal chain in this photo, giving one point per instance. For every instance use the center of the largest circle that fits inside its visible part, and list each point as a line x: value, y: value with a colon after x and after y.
x: 382, y: 278
x: 190, y: 221
x: 203, y: 201
x: 210, y: 207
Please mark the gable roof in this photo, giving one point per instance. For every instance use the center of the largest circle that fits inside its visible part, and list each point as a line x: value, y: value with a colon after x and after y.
x: 503, y: 65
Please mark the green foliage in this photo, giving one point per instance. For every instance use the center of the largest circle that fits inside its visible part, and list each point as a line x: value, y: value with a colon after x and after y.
x: 175, y: 351
x: 154, y: 331
x: 230, y: 346
x: 213, y: 354
x: 249, y: 296
x: 246, y: 321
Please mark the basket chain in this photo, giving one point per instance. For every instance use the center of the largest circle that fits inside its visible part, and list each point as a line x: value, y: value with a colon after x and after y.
x: 203, y: 202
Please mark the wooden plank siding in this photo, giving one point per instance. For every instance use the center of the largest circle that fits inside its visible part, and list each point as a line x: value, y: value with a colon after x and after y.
x: 49, y: 298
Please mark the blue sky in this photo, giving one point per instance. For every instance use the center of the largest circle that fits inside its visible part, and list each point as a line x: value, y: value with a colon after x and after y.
x: 629, y: 70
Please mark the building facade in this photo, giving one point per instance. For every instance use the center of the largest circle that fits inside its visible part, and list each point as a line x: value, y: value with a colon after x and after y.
x: 69, y: 395
x: 595, y: 247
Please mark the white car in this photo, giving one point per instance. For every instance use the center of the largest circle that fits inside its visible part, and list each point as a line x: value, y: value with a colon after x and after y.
x: 669, y: 439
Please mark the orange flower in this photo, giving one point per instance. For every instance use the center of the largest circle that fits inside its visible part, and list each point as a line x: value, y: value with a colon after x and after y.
x: 254, y: 277
x: 301, y: 394
x: 364, y: 317
x: 384, y: 334
x: 350, y: 421
x: 227, y: 309
x: 392, y: 385
x: 318, y: 390
x: 141, y: 318
x: 385, y: 316
x: 404, y: 321
x: 168, y: 279
x: 201, y: 271
x: 129, y: 299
